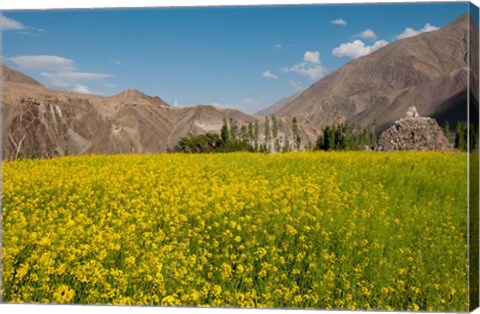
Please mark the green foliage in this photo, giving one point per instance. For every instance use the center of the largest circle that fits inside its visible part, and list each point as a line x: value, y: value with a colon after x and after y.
x: 204, y: 143
x: 277, y: 146
x: 267, y: 130
x: 286, y: 145
x: 233, y: 130
x: 341, y: 137
x: 224, y: 132
x: 461, y: 136
x: 296, y: 136
x: 274, y: 126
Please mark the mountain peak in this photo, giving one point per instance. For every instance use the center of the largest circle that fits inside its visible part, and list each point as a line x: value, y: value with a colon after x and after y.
x: 134, y: 95
x: 131, y: 93
x: 10, y: 75
x: 461, y: 23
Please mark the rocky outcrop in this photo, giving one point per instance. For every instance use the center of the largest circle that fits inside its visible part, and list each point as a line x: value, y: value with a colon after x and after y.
x: 414, y: 132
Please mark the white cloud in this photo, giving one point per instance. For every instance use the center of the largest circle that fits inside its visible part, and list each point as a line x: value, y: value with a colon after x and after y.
x: 110, y: 85
x: 312, y: 71
x: 357, y: 48
x: 339, y: 22
x: 269, y: 74
x: 312, y: 56
x: 278, y: 46
x: 7, y: 23
x: 310, y: 67
x: 76, y: 75
x: 44, y: 62
x: 58, y: 71
x: 429, y: 28
x: 10, y: 24
x: 70, y: 80
x: 296, y: 84
x: 410, y: 32
x: 81, y: 89
x: 367, y: 34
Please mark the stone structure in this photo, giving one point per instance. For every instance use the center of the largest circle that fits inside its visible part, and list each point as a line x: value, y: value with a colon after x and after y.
x: 414, y: 132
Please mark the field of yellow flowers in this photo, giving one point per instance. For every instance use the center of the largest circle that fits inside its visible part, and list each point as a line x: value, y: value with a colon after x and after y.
x: 352, y: 230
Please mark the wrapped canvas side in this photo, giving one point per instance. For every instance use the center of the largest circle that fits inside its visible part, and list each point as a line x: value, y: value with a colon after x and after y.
x: 473, y: 159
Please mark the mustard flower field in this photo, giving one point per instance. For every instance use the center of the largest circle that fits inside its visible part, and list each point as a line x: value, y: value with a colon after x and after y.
x: 354, y: 230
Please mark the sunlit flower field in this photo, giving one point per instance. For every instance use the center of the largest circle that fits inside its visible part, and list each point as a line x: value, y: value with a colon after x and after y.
x: 352, y: 230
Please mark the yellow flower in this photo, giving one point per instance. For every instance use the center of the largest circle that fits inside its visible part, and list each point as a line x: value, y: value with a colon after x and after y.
x: 63, y: 294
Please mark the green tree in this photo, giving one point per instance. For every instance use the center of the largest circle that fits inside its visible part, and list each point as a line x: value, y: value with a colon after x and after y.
x: 461, y: 136
x: 267, y: 130
x: 448, y: 131
x: 224, y: 132
x: 250, y: 131
x: 244, y: 133
x: 233, y: 130
x: 274, y: 127
x: 286, y: 145
x: 296, y: 136
x: 319, y: 142
x: 277, y: 145
x: 256, y: 132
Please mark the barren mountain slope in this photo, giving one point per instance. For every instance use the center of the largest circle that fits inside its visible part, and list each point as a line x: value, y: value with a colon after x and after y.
x: 38, y: 121
x: 428, y: 71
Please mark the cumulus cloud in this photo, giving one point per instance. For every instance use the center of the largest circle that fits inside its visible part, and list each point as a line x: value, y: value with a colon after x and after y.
x: 10, y: 24
x: 43, y: 62
x: 367, y: 34
x: 296, y: 84
x: 312, y: 56
x: 270, y: 75
x: 410, y: 32
x: 310, y: 67
x: 339, y: 22
x: 357, y: 48
x: 278, y: 46
x: 81, y: 89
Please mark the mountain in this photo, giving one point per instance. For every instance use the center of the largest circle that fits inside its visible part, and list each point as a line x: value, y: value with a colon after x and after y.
x: 9, y: 75
x: 429, y: 71
x: 38, y: 121
x: 278, y: 106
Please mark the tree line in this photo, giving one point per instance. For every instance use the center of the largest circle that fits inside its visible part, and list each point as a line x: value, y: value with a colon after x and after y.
x: 247, y: 137
x: 463, y: 136
x: 335, y: 137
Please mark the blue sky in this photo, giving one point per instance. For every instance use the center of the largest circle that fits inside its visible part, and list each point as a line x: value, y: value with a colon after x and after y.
x: 240, y: 57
